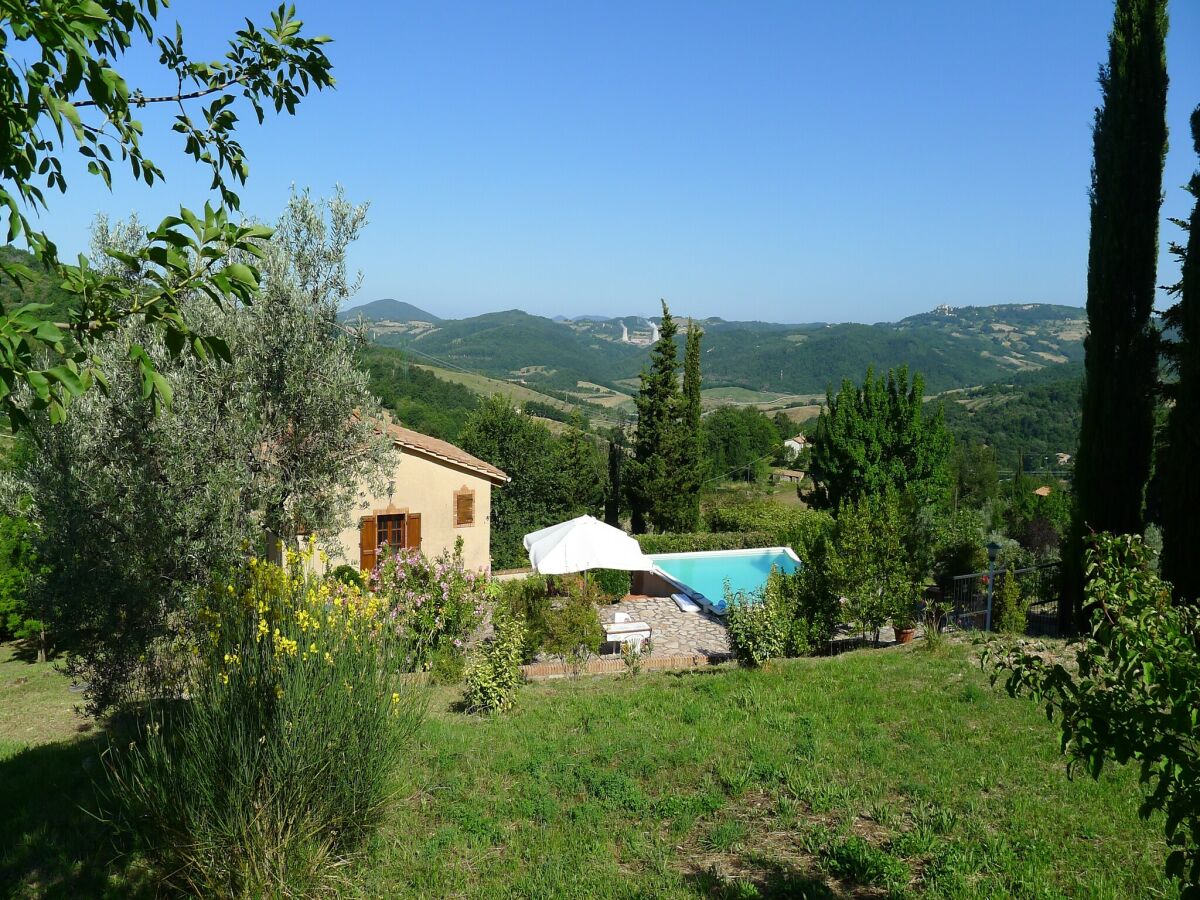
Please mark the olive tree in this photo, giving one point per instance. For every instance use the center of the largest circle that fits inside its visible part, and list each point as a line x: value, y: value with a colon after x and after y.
x: 136, y: 510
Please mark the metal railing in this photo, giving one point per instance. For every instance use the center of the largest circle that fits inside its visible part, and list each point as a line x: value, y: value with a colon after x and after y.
x: 973, y: 598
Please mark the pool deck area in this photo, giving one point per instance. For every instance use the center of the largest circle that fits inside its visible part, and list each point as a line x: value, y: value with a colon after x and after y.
x: 675, y: 633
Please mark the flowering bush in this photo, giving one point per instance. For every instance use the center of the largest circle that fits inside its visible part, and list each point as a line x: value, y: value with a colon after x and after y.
x: 434, y: 604
x: 274, y: 769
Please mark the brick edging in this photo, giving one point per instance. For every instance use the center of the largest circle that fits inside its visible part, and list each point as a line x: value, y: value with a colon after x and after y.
x: 537, y: 671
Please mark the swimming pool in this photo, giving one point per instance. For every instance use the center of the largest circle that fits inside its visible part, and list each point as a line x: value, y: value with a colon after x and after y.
x: 701, y: 575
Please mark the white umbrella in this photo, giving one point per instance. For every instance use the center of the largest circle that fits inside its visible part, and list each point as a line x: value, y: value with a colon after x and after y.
x: 582, y: 544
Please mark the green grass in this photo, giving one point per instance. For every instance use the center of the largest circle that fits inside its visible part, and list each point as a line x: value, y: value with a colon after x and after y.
x: 874, y: 773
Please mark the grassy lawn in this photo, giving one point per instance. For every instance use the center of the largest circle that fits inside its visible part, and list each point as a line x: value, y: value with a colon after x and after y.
x: 868, y: 774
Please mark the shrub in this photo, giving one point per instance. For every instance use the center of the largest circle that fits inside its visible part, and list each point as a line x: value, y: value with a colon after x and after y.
x: 633, y: 654
x: 612, y: 583
x: 790, y: 526
x: 869, y: 564
x: 695, y: 541
x: 348, y: 575
x: 812, y: 604
x: 573, y: 630
x: 274, y: 769
x: 757, y: 624
x: 1133, y: 692
x: 435, y: 604
x: 529, y: 599
x: 1010, y: 608
x: 493, y: 678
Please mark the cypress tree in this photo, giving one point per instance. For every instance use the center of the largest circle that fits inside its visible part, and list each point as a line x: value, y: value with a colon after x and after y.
x: 616, y: 459
x: 1129, y: 141
x: 652, y: 476
x: 691, y: 468
x: 1178, y: 463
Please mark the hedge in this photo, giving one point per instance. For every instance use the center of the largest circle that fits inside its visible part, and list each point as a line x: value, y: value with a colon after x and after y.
x: 720, y: 540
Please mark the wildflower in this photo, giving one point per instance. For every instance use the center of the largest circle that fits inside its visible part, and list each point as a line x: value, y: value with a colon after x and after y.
x: 395, y: 696
x: 224, y: 678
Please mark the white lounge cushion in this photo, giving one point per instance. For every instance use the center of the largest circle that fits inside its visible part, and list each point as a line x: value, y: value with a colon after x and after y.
x: 685, y: 604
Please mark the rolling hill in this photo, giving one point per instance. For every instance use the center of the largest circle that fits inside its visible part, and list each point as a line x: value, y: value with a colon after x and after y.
x: 950, y: 347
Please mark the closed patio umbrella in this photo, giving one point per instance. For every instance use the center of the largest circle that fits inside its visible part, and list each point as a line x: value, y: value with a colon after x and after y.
x: 581, y: 544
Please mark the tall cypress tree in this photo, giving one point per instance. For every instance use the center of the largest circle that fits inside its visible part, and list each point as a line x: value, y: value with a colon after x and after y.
x: 1178, y: 462
x: 691, y: 441
x: 616, y: 463
x: 652, y: 476
x: 1129, y: 141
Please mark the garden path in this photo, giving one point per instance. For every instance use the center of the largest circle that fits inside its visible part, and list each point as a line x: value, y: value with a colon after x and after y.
x: 675, y: 632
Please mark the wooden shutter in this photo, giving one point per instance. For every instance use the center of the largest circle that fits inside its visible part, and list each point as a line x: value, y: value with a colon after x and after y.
x: 464, y: 508
x: 412, y: 531
x: 368, y: 547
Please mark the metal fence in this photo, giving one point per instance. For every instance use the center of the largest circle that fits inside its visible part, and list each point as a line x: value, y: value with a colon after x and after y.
x: 972, y: 605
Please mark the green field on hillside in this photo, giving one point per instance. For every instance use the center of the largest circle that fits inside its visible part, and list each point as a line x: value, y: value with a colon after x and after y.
x: 876, y: 773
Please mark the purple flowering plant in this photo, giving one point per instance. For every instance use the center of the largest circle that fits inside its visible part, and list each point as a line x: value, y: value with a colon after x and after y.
x: 434, y: 604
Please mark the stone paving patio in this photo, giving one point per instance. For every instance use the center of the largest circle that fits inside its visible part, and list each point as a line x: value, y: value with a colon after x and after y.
x: 674, y: 632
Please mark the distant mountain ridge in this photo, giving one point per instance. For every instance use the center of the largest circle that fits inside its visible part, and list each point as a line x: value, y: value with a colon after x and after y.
x: 388, y: 310
x: 952, y: 347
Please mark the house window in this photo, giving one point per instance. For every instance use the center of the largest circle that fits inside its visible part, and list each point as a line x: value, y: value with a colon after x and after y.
x: 389, y: 530
x: 464, y: 508
x: 386, y: 530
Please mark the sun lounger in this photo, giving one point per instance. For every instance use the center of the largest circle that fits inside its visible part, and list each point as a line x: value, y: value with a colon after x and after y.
x: 626, y: 632
x: 685, y: 603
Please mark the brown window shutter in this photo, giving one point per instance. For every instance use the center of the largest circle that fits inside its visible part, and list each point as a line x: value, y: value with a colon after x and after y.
x: 368, y: 548
x: 412, y: 531
x: 464, y: 508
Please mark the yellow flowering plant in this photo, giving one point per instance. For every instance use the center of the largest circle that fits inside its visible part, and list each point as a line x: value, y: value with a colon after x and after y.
x: 279, y: 759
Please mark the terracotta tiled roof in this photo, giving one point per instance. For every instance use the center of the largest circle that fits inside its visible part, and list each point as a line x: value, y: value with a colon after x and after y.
x: 443, y: 450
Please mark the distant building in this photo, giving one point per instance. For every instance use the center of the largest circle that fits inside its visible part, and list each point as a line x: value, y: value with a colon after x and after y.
x: 795, y: 446
x: 1064, y: 459
x: 1044, y: 491
x: 790, y: 476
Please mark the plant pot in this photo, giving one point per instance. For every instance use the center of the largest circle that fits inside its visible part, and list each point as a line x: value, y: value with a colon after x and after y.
x: 905, y: 635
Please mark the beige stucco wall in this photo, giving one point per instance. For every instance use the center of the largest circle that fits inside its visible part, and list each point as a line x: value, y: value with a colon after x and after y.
x: 424, y: 486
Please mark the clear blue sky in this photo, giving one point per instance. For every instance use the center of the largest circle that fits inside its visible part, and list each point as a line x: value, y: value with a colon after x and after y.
x: 788, y: 162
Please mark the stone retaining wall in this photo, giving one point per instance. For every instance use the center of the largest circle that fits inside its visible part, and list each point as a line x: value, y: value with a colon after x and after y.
x: 615, y: 666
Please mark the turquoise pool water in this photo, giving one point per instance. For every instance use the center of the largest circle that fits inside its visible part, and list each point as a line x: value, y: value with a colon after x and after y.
x: 705, y: 573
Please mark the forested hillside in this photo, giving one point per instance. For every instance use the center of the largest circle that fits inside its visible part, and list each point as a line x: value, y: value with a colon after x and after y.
x: 1036, y: 415
x: 951, y: 347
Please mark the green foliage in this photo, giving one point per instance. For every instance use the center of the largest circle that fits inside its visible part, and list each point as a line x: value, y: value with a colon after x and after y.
x: 1180, y: 474
x: 277, y: 767
x: 347, y: 575
x: 757, y: 627
x: 553, y: 479
x: 1034, y: 414
x: 1129, y: 141
x: 252, y: 447
x: 869, y: 564
x: 1134, y: 694
x: 705, y: 540
x: 18, y: 567
x: 793, y: 614
x: 611, y: 583
x: 435, y: 604
x: 958, y: 546
x: 573, y: 630
x: 1010, y: 606
x: 581, y: 463
x: 59, y: 87
x: 420, y: 400
x: 787, y: 526
x: 691, y: 452
x: 528, y: 599
x: 739, y: 443
x: 975, y: 478
x: 877, y: 437
x: 493, y: 678
x: 634, y: 655
x: 661, y: 479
